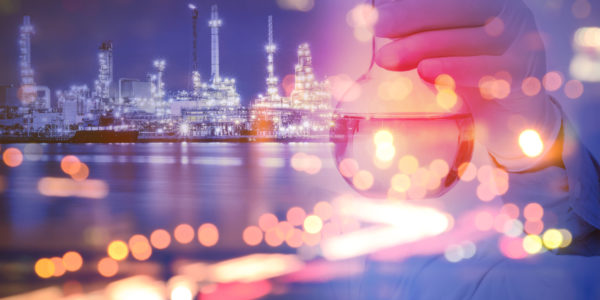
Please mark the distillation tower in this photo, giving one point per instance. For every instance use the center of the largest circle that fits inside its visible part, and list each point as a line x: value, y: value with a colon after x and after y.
x: 214, y: 25
x: 272, y: 80
x: 196, y: 79
x: 28, y: 91
x: 105, y: 72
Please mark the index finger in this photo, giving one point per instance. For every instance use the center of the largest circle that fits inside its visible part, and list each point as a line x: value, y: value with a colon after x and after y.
x: 405, y: 17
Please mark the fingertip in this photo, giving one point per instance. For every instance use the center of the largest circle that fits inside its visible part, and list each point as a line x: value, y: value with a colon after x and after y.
x: 429, y: 70
x: 387, y: 59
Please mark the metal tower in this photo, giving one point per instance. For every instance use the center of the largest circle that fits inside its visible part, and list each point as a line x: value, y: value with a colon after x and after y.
x: 214, y: 25
x: 28, y: 87
x: 195, y: 78
x: 272, y: 81
x: 105, y: 72
x: 304, y: 73
x: 160, y: 65
x: 194, y: 37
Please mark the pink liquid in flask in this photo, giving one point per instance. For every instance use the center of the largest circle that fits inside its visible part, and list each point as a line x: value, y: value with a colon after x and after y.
x: 402, y: 155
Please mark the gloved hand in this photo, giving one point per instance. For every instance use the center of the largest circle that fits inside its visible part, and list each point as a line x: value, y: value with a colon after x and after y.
x: 491, y: 49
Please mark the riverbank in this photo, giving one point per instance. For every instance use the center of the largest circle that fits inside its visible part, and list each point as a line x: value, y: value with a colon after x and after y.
x: 167, y: 139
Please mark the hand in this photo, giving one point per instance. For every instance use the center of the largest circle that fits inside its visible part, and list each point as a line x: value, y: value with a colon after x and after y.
x: 490, y: 48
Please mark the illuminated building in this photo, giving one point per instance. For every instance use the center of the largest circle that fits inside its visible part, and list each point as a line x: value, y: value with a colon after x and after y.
x: 28, y: 88
x: 309, y: 93
x: 105, y: 72
x: 74, y: 104
x: 211, y: 108
x: 306, y: 112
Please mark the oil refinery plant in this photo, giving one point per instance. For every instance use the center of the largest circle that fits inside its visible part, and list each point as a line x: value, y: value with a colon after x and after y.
x: 132, y: 109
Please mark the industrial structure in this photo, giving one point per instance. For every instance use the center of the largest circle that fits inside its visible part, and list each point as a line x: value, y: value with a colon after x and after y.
x: 306, y: 111
x: 210, y: 108
x: 28, y: 87
x: 104, y: 82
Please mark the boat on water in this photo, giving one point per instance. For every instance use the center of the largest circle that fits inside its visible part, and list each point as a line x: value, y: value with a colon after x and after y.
x: 104, y: 136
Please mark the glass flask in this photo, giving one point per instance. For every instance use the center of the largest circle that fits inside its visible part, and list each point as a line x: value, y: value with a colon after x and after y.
x: 393, y: 140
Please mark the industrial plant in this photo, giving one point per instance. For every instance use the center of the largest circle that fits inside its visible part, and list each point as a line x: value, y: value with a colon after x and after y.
x: 132, y: 109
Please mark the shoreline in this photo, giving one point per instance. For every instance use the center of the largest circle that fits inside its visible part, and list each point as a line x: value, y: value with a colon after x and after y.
x: 228, y: 139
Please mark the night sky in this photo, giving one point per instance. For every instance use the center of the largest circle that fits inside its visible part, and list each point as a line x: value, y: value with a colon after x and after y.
x: 68, y: 33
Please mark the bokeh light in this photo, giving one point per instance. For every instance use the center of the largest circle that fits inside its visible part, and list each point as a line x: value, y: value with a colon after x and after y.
x: 72, y: 261
x: 552, y: 81
x: 252, y: 235
x: 294, y: 238
x: 82, y: 173
x: 303, y: 162
x: 272, y: 238
x: 444, y: 82
x: 181, y: 293
x: 63, y: 187
x: 363, y: 180
x: 313, y: 224
x: 531, y: 86
x: 59, y: 267
x: 453, y: 253
x: 44, y: 268
x: 184, y: 233
x: 485, y: 192
x: 283, y: 228
x: 573, y: 89
x: 348, y: 167
x: 383, y: 137
x: 160, y: 239
x: 362, y: 15
x: 33, y: 152
x: 534, y: 227
x: 581, y: 9
x: 408, y: 164
x: 531, y: 143
x: 296, y: 215
x: 446, y: 99
x: 12, y: 157
x: 511, y: 210
x: 467, y: 171
x: 208, y: 234
x: 552, y: 238
x: 108, y: 267
x: 512, y: 228
x: 532, y: 244
x: 400, y: 182
x: 439, y: 168
x: 70, y: 164
x: 267, y: 221
x: 117, y: 250
x: 533, y: 211
x: 567, y: 238
x: 494, y: 88
x: 140, y: 247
